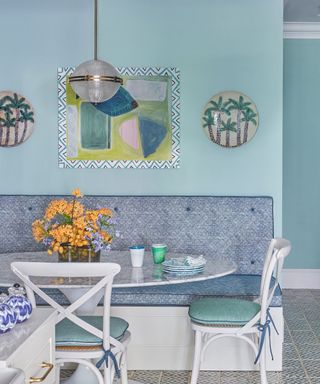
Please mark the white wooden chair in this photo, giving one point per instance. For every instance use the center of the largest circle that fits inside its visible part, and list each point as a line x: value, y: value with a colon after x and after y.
x: 82, y: 339
x: 214, y: 318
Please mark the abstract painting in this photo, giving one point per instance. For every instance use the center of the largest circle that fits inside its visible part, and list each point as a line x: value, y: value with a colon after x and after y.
x: 230, y: 119
x: 147, y: 135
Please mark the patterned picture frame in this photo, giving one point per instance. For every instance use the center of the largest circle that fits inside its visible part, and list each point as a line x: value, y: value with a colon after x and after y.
x: 173, y: 97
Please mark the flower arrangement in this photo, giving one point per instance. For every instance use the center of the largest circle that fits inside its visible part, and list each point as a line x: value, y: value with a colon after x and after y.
x: 68, y: 223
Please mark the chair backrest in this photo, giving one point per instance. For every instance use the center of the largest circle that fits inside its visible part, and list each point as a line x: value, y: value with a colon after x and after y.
x: 279, y: 248
x: 98, y: 276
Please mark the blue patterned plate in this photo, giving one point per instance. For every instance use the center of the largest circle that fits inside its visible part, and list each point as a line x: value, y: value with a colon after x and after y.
x: 185, y: 269
x: 187, y: 273
x: 182, y: 263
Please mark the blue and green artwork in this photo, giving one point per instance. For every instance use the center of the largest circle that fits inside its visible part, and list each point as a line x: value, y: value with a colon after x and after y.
x: 152, y: 135
x: 138, y: 127
x: 94, y: 128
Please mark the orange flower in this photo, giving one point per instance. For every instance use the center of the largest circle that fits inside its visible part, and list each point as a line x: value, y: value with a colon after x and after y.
x: 105, y: 211
x: 56, y: 207
x: 62, y: 233
x: 80, y: 222
x: 67, y: 222
x: 38, y: 230
x: 77, y: 193
x: 78, y: 209
x: 106, y: 237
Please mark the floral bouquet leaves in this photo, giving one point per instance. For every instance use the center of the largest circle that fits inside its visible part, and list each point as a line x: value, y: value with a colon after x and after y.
x: 69, y: 225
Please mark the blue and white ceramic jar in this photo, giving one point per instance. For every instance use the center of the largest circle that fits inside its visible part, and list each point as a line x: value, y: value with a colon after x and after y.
x: 19, y: 303
x: 3, y: 297
x: 8, y: 318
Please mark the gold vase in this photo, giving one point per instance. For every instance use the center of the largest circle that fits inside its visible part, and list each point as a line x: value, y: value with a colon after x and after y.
x: 78, y: 254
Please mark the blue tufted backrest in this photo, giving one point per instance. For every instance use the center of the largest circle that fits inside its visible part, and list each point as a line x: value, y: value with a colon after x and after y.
x: 238, y: 228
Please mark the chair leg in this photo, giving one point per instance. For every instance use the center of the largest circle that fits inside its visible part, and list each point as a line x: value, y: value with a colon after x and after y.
x: 123, y: 368
x: 196, y: 358
x: 57, y: 373
x: 107, y: 373
x: 263, y: 370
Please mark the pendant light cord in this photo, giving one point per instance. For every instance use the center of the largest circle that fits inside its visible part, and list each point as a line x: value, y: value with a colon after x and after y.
x: 95, y: 26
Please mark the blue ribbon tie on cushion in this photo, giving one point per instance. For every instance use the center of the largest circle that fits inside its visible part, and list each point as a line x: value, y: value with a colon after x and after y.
x: 122, y: 102
x: 264, y: 328
x: 105, y: 359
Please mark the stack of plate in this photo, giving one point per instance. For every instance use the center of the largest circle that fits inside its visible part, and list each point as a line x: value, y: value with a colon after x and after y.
x: 179, y: 266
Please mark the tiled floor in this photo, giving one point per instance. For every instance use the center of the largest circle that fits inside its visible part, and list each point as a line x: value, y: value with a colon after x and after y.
x: 301, y: 364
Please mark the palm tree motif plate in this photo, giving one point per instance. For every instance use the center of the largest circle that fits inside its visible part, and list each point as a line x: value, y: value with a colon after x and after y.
x: 16, y: 119
x: 230, y: 119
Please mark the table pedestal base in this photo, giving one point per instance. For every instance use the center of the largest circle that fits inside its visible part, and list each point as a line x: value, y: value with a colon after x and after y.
x: 82, y: 375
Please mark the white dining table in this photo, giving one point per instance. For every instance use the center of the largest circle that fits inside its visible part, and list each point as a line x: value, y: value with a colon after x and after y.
x: 149, y: 275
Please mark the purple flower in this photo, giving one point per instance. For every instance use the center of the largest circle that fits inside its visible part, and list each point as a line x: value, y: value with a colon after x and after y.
x: 107, y: 247
x: 47, y: 241
x: 97, y: 241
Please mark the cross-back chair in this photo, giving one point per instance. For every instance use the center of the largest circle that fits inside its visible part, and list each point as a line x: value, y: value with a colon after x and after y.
x: 215, y: 318
x: 82, y: 339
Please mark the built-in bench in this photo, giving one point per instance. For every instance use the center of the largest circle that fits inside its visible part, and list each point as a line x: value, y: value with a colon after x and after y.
x: 237, y: 228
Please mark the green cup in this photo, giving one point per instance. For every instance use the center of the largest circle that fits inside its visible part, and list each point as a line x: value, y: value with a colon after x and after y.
x: 159, y: 253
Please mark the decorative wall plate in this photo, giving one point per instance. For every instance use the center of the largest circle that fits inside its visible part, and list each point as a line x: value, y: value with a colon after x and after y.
x: 16, y: 119
x: 230, y: 119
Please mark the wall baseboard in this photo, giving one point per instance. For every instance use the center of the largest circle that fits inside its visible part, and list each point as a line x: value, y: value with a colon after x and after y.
x: 301, y: 278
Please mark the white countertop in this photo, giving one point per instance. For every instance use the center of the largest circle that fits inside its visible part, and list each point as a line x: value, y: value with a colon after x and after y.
x: 150, y: 274
x: 11, y: 340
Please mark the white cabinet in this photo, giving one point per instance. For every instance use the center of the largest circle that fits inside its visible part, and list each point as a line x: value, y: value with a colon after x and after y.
x: 30, y: 346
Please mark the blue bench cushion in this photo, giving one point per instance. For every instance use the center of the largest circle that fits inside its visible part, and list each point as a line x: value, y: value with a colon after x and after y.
x: 70, y: 334
x: 221, y: 311
x: 246, y: 287
x: 238, y: 229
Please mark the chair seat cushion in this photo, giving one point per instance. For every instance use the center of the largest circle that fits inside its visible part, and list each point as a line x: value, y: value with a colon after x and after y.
x: 223, y: 311
x: 68, y: 333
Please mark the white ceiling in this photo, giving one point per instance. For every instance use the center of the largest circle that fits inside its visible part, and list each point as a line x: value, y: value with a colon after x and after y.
x: 302, y: 10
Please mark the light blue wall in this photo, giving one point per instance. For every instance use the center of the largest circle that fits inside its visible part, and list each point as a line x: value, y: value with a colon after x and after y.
x: 217, y: 44
x: 301, y: 190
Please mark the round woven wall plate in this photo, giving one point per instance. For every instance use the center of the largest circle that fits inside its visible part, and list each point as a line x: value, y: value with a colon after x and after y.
x: 16, y: 119
x: 230, y: 119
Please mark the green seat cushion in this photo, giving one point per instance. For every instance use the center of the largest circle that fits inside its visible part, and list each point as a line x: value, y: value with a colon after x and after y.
x: 68, y: 333
x: 220, y: 311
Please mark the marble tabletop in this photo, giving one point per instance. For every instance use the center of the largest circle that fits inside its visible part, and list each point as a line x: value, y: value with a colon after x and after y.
x: 149, y: 274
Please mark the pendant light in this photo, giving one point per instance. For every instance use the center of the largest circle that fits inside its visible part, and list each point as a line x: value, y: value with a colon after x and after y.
x: 95, y: 80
